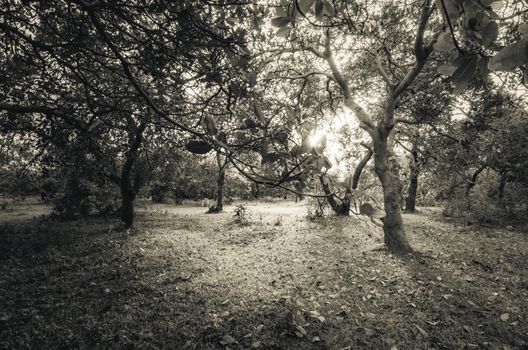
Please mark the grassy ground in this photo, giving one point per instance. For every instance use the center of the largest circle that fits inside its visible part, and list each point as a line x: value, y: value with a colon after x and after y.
x: 271, y: 280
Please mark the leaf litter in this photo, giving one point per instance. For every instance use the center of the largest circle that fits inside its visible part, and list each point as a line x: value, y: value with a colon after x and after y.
x: 182, y: 280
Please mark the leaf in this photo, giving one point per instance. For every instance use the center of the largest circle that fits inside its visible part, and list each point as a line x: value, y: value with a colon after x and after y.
x: 323, y: 162
x: 452, y: 9
x: 447, y: 69
x: 243, y: 62
x: 511, y: 56
x: 464, y: 74
x: 497, y: 5
x: 290, y: 113
x: 280, y: 22
x: 329, y: 9
x: 444, y: 42
x: 222, y: 137
x: 306, y: 146
x: 307, y: 128
x: 306, y: 6
x: 283, y: 32
x: 505, y: 317
x: 282, y: 136
x: 210, y: 123
x: 523, y: 29
x: 319, y: 8
x: 490, y: 33
x: 483, y: 67
x: 228, y: 340
x: 422, y: 331
x: 258, y: 112
x: 198, y: 147
x: 250, y: 123
x: 280, y: 11
x: 252, y: 79
x: 300, y: 331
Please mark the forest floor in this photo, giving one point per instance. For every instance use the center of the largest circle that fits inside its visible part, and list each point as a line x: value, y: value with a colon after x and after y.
x: 183, y: 279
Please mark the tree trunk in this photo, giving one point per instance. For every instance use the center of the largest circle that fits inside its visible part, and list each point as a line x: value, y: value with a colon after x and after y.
x: 128, y: 193
x: 410, y: 201
x: 360, y: 167
x: 387, y: 169
x: 340, y: 209
x: 220, y: 190
x: 472, y: 182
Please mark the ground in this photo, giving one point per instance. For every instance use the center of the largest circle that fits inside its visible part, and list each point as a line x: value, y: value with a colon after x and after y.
x: 270, y: 279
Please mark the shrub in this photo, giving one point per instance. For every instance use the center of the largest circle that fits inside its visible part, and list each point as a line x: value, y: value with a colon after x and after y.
x: 242, y: 215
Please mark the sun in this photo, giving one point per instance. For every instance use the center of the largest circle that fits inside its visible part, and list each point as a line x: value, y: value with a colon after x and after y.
x: 328, y: 131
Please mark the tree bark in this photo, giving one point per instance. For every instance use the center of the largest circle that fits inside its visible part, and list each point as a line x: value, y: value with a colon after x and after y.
x: 387, y: 169
x: 410, y: 201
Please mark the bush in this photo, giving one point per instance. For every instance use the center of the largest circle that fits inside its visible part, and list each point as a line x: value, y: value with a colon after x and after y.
x: 484, y: 207
x: 242, y: 215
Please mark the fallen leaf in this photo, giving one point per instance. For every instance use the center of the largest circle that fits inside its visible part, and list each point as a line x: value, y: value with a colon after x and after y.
x: 228, y: 340
x: 369, y: 332
x: 422, y: 331
x: 300, y: 331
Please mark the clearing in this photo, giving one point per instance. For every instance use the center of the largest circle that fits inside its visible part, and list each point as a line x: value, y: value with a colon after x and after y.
x: 272, y: 279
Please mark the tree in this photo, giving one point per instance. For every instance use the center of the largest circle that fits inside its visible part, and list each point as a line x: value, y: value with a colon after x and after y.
x: 75, y: 67
x: 387, y: 30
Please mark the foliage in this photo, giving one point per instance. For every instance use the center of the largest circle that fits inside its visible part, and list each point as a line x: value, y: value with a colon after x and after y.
x: 484, y: 206
x: 242, y: 215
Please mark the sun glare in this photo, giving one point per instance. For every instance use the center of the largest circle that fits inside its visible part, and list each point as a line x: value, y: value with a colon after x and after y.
x: 330, y: 129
